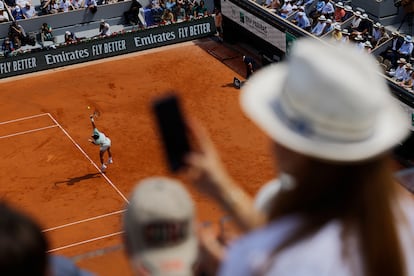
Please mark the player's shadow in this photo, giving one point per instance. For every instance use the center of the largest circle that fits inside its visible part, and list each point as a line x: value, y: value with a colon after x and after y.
x: 73, y: 180
x: 228, y: 85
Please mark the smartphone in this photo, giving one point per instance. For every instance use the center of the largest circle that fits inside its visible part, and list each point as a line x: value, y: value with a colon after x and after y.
x: 172, y: 130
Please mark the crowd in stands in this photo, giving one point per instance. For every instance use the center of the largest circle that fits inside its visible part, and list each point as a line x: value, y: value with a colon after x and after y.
x: 339, y: 22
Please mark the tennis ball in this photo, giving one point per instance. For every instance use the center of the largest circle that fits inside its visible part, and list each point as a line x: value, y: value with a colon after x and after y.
x: 89, y: 107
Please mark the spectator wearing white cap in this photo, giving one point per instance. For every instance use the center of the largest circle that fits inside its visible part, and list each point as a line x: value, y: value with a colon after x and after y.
x: 368, y: 47
x: 409, y: 83
x: 359, y: 42
x: 320, y: 26
x: 348, y: 13
x: 303, y: 21
x: 408, y: 70
x: 391, y: 53
x: 328, y: 27
x: 339, y: 12
x: 337, y: 33
x: 399, y: 72
x: 345, y: 36
x: 365, y: 26
x: 406, y: 48
x: 333, y: 140
x: 356, y: 20
x: 104, y: 28
x: 376, y: 33
x: 159, y: 228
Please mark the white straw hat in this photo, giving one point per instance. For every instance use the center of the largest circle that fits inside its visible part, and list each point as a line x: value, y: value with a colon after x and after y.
x: 305, y: 107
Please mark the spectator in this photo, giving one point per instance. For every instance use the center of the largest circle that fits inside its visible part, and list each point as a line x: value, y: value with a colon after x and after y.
x: 345, y: 36
x: 170, y: 4
x: 303, y: 21
x: 70, y: 37
x: 391, y: 52
x: 384, y: 36
x: 104, y: 28
x: 339, y: 12
x: 286, y: 9
x: 46, y: 34
x: 76, y: 4
x: 4, y: 16
x: 202, y: 10
x: 167, y: 17
x: 17, y: 35
x: 359, y: 42
x: 328, y: 27
x: 368, y: 46
x: 160, y: 205
x: 181, y: 15
x: 356, y: 20
x: 23, y: 248
x: 328, y: 9
x: 91, y: 5
x: 131, y: 15
x: 376, y: 33
x: 339, y: 212
x: 28, y: 11
x: 406, y: 48
x: 399, y: 72
x: 7, y: 47
x: 320, y: 26
x: 17, y: 13
x: 365, y: 26
x: 348, y: 13
x: 65, y: 5
x: 50, y: 7
x: 337, y: 33
x: 409, y: 83
x: 315, y: 13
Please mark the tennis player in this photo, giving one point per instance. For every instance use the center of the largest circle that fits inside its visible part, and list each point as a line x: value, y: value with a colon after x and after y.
x: 99, y: 138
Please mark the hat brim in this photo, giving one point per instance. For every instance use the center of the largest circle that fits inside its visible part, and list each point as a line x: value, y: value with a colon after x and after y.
x: 261, y: 90
x: 158, y: 259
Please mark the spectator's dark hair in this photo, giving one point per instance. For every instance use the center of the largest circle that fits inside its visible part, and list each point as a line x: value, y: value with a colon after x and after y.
x: 23, y: 246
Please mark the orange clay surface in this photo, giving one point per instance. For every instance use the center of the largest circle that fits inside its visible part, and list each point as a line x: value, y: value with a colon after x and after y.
x: 50, y: 170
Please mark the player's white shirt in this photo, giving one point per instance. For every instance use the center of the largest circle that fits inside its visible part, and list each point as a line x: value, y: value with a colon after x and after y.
x: 102, y: 141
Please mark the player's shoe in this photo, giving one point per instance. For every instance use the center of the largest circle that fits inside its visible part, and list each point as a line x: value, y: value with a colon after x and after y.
x: 110, y: 161
x: 103, y: 168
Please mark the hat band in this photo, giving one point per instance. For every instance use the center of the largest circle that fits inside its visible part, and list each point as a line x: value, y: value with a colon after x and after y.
x: 303, y: 125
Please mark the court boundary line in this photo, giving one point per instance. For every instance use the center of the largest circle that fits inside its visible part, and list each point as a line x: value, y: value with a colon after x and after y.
x: 23, y: 118
x: 83, y: 220
x: 27, y: 131
x: 89, y: 158
x: 85, y: 241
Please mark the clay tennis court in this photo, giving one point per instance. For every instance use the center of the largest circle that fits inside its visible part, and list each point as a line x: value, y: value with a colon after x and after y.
x: 51, y: 171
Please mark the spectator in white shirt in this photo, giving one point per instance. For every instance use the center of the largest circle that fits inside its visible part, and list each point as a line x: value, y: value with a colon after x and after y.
x: 64, y: 5
x: 328, y: 10
x: 28, y: 11
x: 286, y: 9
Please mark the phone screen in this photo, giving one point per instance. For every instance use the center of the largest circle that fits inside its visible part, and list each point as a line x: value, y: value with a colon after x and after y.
x: 172, y: 130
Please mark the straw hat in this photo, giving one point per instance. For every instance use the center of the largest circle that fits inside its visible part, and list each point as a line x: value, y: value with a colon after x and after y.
x: 325, y: 115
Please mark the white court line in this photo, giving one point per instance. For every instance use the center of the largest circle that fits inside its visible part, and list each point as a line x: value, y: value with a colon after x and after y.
x: 85, y: 241
x: 84, y: 220
x: 87, y: 156
x: 24, y: 118
x: 27, y: 131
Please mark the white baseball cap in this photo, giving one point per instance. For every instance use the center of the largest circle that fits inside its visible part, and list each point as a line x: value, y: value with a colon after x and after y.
x: 305, y: 107
x: 159, y: 227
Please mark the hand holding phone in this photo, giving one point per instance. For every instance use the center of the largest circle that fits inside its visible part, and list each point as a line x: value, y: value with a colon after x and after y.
x: 172, y: 130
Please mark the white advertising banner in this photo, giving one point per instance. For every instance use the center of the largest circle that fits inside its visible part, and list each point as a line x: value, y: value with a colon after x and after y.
x: 253, y: 24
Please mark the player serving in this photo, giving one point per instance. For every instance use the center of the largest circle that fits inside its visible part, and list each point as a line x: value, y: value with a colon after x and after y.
x: 99, y: 139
